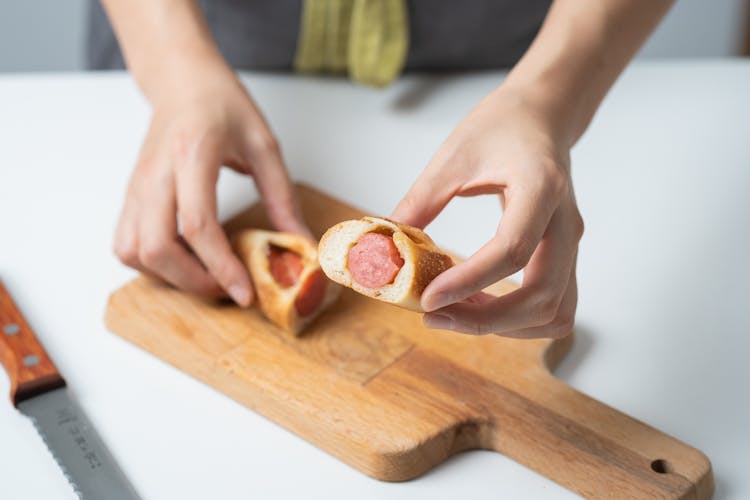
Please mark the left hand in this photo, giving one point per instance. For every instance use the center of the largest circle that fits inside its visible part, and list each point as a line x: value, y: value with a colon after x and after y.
x: 510, y: 146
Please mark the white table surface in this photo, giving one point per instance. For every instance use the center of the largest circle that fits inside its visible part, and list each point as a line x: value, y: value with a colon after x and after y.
x: 662, y: 177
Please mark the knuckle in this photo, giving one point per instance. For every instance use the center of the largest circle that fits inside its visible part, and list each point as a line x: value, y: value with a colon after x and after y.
x: 263, y: 143
x: 459, y: 156
x: 183, y: 144
x: 152, y: 253
x: 126, y: 251
x: 476, y: 325
x: 579, y: 226
x: 449, y: 153
x: 546, y: 309
x: 519, y: 252
x: 409, y: 204
x: 554, y: 181
x: 147, y: 162
x: 558, y: 184
x: 565, y: 323
x: 561, y: 326
x: 194, y: 223
x: 187, y: 142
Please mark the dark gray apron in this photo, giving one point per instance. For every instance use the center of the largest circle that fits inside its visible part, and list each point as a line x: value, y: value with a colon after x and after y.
x: 443, y: 34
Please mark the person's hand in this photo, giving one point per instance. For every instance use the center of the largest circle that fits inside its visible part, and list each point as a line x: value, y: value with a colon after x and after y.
x: 508, y: 146
x: 168, y: 226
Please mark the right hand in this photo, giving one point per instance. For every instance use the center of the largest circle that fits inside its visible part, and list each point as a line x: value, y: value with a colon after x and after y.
x: 510, y: 145
x: 197, y: 127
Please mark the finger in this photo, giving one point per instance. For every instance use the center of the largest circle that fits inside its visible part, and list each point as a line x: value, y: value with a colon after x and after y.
x: 480, y: 298
x: 563, y: 323
x: 160, y: 252
x: 427, y: 197
x: 521, y: 228
x: 125, y: 245
x: 535, y: 304
x: 196, y: 199
x: 276, y: 190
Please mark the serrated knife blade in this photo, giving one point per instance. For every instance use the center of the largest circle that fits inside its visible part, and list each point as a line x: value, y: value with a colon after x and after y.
x: 39, y: 392
x: 77, y: 448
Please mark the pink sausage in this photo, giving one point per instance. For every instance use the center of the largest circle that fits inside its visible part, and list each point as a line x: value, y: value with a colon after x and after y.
x: 286, y: 268
x: 311, y: 293
x: 374, y: 261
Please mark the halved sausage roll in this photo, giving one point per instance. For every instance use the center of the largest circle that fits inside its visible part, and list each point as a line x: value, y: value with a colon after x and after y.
x: 382, y: 259
x: 290, y: 286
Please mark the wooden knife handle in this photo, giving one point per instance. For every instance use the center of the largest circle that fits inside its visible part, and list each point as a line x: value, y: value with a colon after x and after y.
x: 30, y: 369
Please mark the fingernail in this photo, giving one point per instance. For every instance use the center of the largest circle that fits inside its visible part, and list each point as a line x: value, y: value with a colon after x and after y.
x: 239, y: 294
x: 435, y: 301
x: 438, y: 321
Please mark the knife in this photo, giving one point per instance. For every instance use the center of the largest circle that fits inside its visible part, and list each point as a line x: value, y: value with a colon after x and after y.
x: 38, y: 391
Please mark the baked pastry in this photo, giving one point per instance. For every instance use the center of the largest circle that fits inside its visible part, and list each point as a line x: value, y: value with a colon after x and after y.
x: 382, y: 259
x: 290, y: 286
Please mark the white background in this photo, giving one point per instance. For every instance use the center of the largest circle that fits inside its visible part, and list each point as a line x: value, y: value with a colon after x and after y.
x: 49, y: 35
x: 663, y: 326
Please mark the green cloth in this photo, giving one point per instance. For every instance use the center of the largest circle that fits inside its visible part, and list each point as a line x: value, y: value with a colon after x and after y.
x: 366, y: 38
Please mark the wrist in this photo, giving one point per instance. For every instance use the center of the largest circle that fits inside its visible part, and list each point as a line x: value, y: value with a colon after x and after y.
x: 554, y: 114
x: 183, y: 77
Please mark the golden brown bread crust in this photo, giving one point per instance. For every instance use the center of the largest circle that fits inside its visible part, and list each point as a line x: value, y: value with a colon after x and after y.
x: 423, y: 260
x: 430, y: 265
x: 277, y: 303
x: 428, y: 260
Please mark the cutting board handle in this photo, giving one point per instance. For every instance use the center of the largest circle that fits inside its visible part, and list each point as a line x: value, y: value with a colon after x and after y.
x: 592, y: 448
x: 541, y: 422
x: 30, y: 369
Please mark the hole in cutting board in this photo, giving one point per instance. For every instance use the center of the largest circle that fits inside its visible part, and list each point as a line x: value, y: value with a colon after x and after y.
x: 661, y: 466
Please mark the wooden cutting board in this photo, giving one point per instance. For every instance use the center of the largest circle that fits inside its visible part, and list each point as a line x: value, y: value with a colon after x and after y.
x: 370, y: 385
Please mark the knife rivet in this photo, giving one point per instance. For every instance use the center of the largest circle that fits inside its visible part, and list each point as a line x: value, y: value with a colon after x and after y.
x: 11, y: 329
x: 31, y: 360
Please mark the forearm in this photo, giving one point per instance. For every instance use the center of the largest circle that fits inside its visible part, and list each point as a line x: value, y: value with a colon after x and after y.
x: 166, y: 43
x: 581, y: 49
